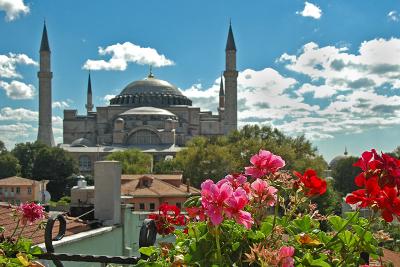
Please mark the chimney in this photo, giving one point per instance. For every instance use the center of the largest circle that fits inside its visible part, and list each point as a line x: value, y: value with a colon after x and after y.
x: 188, y: 185
x: 107, y: 197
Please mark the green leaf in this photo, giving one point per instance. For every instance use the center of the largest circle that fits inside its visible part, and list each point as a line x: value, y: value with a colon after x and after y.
x: 257, y: 235
x: 347, y: 238
x: 359, y: 230
x: 266, y: 228
x: 148, y: 251
x: 337, y: 223
x: 304, y: 224
x: 320, y: 263
x: 235, y: 246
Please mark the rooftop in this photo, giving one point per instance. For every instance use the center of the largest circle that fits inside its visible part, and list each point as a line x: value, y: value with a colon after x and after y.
x: 74, y: 226
x: 15, y: 180
x: 157, y: 187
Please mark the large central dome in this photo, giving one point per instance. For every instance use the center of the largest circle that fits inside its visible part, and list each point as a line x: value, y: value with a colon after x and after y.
x: 150, y: 92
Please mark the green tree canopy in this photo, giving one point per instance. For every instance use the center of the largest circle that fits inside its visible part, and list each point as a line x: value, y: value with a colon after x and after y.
x: 56, y: 165
x: 343, y: 172
x: 9, y: 165
x: 133, y: 161
x: 215, y: 157
x: 3, y: 148
x: 40, y: 162
x: 26, y: 154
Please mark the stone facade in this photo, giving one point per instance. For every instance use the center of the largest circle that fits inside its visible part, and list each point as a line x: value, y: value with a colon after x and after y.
x: 149, y: 114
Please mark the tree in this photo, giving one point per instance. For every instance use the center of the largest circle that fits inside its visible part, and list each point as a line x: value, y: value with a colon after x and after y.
x: 26, y: 154
x: 9, y: 165
x: 40, y: 162
x: 213, y: 158
x: 133, y: 161
x: 56, y: 165
x: 344, y: 173
x: 3, y: 148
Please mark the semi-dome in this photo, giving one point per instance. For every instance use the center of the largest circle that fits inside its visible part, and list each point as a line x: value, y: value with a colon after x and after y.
x: 148, y: 111
x: 150, y: 92
x: 81, y: 142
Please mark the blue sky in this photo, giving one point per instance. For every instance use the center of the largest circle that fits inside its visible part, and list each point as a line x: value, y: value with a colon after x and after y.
x: 326, y: 69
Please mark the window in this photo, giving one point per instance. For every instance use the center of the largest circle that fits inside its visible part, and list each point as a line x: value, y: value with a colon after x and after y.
x: 1, y: 191
x: 12, y: 189
x: 178, y: 204
x: 152, y: 206
x: 29, y: 190
x: 18, y: 190
x: 85, y: 163
x: 141, y: 206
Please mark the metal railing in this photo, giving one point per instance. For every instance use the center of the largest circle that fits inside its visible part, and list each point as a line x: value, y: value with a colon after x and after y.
x: 147, y: 237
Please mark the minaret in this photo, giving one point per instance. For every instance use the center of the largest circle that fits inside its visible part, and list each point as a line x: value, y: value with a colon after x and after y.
x: 221, y: 94
x: 89, y: 102
x: 45, y: 132
x: 230, y: 75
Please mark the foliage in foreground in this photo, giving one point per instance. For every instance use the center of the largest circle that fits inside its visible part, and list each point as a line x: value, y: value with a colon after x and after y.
x: 15, y: 250
x: 232, y: 224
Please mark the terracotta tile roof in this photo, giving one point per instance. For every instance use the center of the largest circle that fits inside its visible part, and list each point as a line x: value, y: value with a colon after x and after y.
x: 158, y: 176
x: 15, y: 180
x: 156, y: 188
x: 31, y: 231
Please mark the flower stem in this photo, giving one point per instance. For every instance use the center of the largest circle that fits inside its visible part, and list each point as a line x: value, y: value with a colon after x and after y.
x: 219, y: 255
x: 20, y: 233
x: 276, y: 209
x: 15, y: 229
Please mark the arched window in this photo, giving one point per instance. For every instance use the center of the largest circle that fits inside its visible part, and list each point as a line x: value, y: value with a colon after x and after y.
x: 144, y: 137
x: 85, y: 163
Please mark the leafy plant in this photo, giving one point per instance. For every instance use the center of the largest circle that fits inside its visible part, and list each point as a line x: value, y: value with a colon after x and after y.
x: 265, y: 217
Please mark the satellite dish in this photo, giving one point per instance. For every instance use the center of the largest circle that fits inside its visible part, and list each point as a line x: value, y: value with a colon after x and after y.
x: 47, y: 197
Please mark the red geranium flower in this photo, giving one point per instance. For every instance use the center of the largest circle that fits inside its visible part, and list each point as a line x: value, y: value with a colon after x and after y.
x: 380, y: 183
x: 167, y: 218
x: 312, y: 184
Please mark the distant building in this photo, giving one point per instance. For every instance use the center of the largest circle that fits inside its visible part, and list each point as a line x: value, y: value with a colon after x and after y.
x: 150, y: 114
x: 16, y: 190
x: 145, y: 192
x: 336, y: 159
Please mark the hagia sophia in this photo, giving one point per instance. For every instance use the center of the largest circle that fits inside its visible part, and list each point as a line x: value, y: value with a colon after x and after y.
x: 150, y: 114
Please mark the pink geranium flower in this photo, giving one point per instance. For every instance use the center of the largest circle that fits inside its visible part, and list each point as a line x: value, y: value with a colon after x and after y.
x: 264, y: 163
x: 30, y: 212
x: 213, y: 198
x: 286, y: 256
x: 235, y: 205
x: 263, y: 192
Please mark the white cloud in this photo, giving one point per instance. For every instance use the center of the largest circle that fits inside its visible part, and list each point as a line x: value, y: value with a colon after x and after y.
x: 60, y: 104
x: 11, y: 134
x: 13, y: 8
x: 262, y: 97
x: 18, y: 114
x: 18, y: 90
x: 9, y: 62
x: 393, y: 15
x: 310, y: 10
x: 122, y: 54
x: 377, y: 63
x: 107, y: 98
